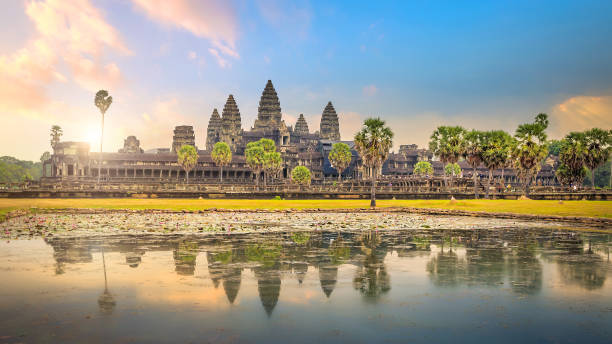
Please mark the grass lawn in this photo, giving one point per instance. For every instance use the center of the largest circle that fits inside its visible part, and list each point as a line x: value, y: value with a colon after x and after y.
x: 567, y: 208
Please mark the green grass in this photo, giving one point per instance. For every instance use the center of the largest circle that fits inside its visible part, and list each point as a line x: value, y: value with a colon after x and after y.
x: 567, y: 208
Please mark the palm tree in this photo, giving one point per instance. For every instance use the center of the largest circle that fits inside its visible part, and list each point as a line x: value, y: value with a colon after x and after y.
x: 448, y: 144
x: 373, y: 143
x: 340, y: 157
x: 187, y: 158
x: 56, y: 134
x: 221, y: 155
x: 103, y: 102
x: 273, y: 164
x: 530, y: 149
x: 599, y: 148
x: 473, y: 154
x: 495, y: 152
x: 573, y: 155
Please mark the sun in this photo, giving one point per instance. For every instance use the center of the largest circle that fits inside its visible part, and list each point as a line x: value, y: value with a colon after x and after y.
x: 92, y: 136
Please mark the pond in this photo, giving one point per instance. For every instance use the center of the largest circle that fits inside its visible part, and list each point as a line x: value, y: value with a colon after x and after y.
x: 506, y: 285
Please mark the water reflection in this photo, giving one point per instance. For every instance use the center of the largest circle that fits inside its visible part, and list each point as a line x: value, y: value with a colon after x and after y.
x: 365, y: 284
x: 470, y: 258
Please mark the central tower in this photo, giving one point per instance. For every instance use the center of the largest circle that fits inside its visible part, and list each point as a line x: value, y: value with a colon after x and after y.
x: 269, y: 111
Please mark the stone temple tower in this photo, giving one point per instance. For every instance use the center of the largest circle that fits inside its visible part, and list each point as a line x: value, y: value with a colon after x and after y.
x: 330, y: 128
x: 231, y: 123
x: 269, y: 111
x: 214, y: 131
x: 301, y: 127
x: 183, y: 135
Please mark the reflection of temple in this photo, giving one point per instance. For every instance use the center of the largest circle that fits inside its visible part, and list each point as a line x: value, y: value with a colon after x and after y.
x: 493, y: 259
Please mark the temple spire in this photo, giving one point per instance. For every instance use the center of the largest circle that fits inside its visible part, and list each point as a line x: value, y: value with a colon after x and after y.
x: 330, y: 128
x: 301, y: 127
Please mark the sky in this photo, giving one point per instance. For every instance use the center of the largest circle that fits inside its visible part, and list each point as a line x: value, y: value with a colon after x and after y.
x: 415, y: 64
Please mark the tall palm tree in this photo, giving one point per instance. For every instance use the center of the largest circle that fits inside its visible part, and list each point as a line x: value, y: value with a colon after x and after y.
x: 56, y: 134
x: 373, y: 143
x: 530, y: 149
x: 448, y: 144
x: 495, y: 152
x: 473, y: 154
x: 599, y: 148
x: 573, y: 155
x: 221, y: 155
x: 102, y: 102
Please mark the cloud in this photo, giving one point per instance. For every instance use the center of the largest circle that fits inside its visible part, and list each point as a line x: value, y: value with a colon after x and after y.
x: 220, y: 60
x: 369, y: 90
x: 213, y: 20
x: 192, y: 55
x: 66, y: 31
x: 580, y: 113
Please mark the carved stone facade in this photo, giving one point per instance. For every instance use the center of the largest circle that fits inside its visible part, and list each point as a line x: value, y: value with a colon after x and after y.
x: 231, y: 124
x: 131, y: 145
x: 214, y: 131
x: 74, y: 161
x: 301, y: 127
x: 330, y: 127
x: 183, y: 135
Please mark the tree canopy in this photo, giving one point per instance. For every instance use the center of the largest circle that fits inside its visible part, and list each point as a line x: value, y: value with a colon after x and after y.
x: 373, y: 143
x: 187, y: 158
x: 423, y: 168
x: 300, y: 175
x: 340, y: 157
x: 221, y: 155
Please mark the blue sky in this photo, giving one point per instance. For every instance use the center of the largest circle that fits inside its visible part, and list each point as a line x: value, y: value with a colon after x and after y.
x: 416, y: 64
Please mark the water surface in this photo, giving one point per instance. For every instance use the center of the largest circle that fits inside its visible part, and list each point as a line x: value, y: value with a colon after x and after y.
x: 512, y: 285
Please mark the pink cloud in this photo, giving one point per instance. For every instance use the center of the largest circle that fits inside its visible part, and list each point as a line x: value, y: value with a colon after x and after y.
x: 580, y: 113
x: 220, y: 60
x: 67, y: 31
x: 213, y: 20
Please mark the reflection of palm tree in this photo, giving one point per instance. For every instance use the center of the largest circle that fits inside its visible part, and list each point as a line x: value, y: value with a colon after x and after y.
x: 445, y: 268
x: 106, y: 301
x: 372, y: 279
x: 525, y: 269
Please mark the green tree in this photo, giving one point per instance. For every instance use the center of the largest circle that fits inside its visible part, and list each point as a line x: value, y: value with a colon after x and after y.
x: 423, y: 168
x: 102, y: 102
x: 56, y: 134
x: 373, y: 143
x: 221, y: 155
x: 530, y: 149
x: 599, y: 147
x: 452, y: 169
x: 572, y: 157
x: 187, y: 158
x: 497, y: 145
x: 448, y: 144
x: 340, y: 157
x: 300, y: 175
x: 473, y: 154
x: 273, y: 164
x: 256, y: 158
x: 554, y: 147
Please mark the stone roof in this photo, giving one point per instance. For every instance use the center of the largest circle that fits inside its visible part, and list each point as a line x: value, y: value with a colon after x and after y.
x: 213, y: 132
x: 231, y: 116
x: 330, y: 128
x: 301, y: 127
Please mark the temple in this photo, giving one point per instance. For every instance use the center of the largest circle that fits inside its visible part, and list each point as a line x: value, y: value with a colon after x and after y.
x: 73, y: 161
